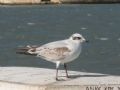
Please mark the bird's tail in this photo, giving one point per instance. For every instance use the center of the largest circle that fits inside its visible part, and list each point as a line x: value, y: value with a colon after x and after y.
x: 26, y: 50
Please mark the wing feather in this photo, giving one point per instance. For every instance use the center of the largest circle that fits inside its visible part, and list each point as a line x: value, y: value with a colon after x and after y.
x: 54, y: 53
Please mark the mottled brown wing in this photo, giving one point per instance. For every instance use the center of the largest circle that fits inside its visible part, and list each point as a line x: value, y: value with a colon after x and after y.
x: 55, y: 53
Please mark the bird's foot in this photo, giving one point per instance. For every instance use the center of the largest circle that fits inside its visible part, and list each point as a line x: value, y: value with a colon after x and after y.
x: 61, y: 79
x: 57, y: 79
x: 68, y: 76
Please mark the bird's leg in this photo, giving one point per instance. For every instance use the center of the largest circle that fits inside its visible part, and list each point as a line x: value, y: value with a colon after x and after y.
x: 56, y: 74
x: 65, y: 66
x: 57, y: 66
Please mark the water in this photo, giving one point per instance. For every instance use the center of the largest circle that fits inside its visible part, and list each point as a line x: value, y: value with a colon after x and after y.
x: 100, y: 24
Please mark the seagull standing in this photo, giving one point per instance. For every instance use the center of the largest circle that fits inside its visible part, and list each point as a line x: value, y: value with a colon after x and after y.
x: 59, y: 52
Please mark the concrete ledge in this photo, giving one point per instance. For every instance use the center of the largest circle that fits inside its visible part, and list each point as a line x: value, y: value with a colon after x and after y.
x: 14, y: 86
x: 25, y: 78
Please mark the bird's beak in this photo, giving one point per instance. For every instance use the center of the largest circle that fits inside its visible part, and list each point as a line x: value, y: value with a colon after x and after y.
x: 84, y: 40
x: 87, y: 41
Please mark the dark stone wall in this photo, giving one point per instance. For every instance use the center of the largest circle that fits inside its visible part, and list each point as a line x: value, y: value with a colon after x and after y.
x: 90, y: 1
x: 56, y: 1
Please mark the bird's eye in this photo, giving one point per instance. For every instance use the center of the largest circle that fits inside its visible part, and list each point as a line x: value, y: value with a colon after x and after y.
x: 76, y: 38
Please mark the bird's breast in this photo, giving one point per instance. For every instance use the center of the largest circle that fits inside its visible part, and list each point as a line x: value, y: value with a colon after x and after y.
x: 73, y: 55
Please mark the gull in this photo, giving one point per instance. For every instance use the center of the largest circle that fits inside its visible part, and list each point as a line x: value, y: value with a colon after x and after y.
x: 59, y: 52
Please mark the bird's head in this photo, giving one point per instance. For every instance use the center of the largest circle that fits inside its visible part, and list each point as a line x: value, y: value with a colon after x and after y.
x: 78, y: 38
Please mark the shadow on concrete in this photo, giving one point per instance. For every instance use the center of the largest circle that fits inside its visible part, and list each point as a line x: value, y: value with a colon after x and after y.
x: 77, y: 76
x: 71, y: 77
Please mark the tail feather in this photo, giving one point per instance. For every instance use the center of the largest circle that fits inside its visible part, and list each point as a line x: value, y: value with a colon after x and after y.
x: 24, y: 50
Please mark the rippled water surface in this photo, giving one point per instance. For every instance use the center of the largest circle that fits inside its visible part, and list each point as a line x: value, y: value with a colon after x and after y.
x: 100, y: 24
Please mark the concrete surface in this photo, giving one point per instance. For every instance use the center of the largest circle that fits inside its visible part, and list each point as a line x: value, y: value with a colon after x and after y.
x: 30, y: 78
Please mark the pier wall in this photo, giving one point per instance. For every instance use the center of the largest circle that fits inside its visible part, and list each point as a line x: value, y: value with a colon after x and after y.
x: 55, y: 1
